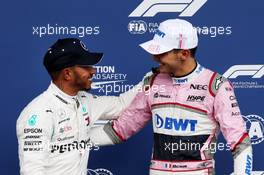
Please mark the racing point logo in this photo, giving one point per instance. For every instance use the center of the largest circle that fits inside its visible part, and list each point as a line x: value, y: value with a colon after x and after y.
x: 149, y: 8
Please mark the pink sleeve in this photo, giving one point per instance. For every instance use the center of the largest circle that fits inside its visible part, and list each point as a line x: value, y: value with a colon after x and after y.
x: 227, y: 113
x: 134, y: 118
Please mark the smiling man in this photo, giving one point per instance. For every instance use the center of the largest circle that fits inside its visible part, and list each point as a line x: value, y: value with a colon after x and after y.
x: 53, y: 129
x: 197, y: 103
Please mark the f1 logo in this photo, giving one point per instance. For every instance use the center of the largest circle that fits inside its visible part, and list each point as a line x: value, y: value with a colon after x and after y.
x: 256, y: 71
x: 149, y: 8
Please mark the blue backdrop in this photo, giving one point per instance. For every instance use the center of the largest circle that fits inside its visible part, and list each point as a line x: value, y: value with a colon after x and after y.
x: 231, y: 33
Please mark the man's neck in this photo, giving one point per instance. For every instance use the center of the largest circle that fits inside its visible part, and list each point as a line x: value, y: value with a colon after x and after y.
x: 64, y: 87
x: 185, y: 68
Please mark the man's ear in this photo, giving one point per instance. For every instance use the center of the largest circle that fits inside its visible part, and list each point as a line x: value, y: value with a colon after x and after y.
x: 185, y: 54
x: 67, y: 74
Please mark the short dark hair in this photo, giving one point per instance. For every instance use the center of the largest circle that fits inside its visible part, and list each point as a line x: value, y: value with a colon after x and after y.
x: 193, y: 51
x: 54, y: 74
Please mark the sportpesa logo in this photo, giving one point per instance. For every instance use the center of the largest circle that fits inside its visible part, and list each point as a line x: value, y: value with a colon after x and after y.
x: 149, y: 8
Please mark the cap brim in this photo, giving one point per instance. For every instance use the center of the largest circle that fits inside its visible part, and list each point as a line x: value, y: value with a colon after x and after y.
x: 90, y: 59
x: 155, y: 48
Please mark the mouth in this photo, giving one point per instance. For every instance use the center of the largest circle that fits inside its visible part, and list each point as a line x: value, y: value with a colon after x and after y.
x: 90, y: 78
x: 162, y: 64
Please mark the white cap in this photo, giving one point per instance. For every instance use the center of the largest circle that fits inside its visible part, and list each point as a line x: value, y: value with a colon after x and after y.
x: 172, y: 34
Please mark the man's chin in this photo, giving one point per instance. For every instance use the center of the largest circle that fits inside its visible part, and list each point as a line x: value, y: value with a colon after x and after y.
x: 87, y: 89
x: 164, y: 70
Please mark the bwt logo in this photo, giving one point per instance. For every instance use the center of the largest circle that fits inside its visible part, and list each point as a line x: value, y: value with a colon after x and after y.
x: 137, y: 27
x: 256, y: 71
x: 149, y: 8
x: 176, y: 124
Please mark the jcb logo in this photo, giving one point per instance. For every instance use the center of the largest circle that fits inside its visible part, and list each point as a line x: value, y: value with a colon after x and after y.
x: 149, y: 8
x: 256, y: 71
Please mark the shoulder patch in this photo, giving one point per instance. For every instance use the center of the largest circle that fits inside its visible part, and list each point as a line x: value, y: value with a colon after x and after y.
x: 148, y: 81
x: 216, y: 82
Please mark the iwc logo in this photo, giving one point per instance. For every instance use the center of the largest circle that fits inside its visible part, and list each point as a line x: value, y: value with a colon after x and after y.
x: 99, y: 171
x: 255, y: 127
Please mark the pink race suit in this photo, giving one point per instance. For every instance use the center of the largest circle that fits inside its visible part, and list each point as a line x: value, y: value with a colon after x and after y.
x: 187, y: 114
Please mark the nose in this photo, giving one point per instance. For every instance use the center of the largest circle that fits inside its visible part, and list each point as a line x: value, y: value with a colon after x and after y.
x: 156, y: 58
x: 93, y: 70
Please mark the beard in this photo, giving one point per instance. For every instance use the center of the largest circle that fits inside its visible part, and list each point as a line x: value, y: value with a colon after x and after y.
x: 82, y: 83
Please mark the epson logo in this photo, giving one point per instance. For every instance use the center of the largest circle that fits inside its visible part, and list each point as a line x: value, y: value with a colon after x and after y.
x: 198, y: 87
x: 137, y: 27
x: 175, y: 124
x: 149, y: 8
x: 32, y: 130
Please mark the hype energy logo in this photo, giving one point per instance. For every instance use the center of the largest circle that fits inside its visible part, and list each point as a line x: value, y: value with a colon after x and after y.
x: 255, y: 127
x: 246, y: 76
x: 108, y: 80
x: 149, y: 8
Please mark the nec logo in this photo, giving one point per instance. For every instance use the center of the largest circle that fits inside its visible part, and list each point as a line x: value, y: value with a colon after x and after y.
x: 149, y: 8
x: 175, y: 124
x: 256, y: 71
x: 198, y: 87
